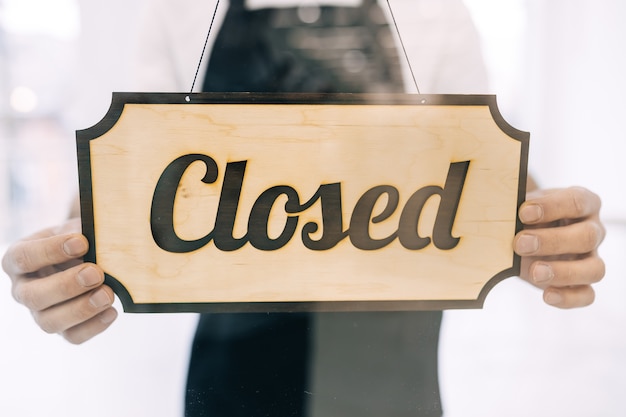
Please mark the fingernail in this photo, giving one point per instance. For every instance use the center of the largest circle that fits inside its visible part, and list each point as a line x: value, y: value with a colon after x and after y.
x: 527, y: 245
x: 531, y: 213
x: 74, y: 246
x: 542, y: 273
x: 100, y: 299
x: 107, y: 316
x: 553, y: 298
x: 88, y: 277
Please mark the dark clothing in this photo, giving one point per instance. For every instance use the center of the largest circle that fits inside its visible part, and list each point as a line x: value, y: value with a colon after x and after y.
x: 337, y: 364
x: 346, y: 49
x: 333, y: 364
x: 249, y: 365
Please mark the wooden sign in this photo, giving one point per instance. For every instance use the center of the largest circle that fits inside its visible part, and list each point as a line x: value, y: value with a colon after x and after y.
x: 260, y: 202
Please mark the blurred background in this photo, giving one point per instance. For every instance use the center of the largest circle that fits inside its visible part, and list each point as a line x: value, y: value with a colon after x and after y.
x: 557, y: 68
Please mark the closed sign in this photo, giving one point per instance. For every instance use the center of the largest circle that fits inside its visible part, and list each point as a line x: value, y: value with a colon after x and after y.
x: 261, y: 202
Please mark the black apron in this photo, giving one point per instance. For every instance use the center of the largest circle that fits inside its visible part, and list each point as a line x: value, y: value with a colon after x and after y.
x: 288, y: 364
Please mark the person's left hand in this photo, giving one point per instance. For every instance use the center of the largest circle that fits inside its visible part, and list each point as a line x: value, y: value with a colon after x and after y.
x: 559, y: 244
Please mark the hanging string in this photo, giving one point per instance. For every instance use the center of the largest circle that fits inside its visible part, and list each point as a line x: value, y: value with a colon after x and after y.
x: 393, y: 18
x: 206, y: 41
x: 406, y: 56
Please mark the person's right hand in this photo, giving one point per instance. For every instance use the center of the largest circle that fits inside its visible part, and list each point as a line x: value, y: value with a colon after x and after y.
x: 64, y: 295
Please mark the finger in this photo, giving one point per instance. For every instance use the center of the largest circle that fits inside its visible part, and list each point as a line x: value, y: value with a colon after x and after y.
x: 90, y: 328
x: 584, y: 271
x: 61, y: 317
x: 568, y: 203
x: 41, y: 293
x: 32, y: 255
x: 576, y: 238
x: 569, y: 297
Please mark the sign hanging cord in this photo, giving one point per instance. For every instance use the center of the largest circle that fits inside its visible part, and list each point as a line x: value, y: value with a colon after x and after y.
x: 393, y: 18
x: 206, y: 41
x: 406, y: 55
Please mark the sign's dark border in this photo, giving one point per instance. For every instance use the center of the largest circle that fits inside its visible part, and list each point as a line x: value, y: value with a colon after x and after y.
x: 119, y: 100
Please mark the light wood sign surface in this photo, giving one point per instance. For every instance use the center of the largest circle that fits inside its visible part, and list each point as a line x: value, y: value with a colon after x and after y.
x: 257, y: 202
